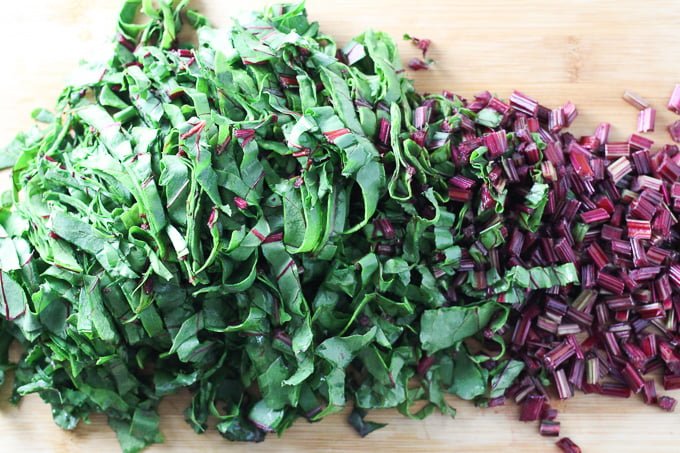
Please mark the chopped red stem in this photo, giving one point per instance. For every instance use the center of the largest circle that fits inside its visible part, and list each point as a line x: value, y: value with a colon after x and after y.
x: 635, y: 100
x: 667, y: 403
x: 418, y: 65
x: 567, y: 446
x: 646, y: 120
x: 531, y: 408
x: 674, y: 101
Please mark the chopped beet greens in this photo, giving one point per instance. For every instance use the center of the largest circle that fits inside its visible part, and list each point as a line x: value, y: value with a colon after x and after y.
x: 418, y: 64
x: 421, y: 43
x: 283, y: 227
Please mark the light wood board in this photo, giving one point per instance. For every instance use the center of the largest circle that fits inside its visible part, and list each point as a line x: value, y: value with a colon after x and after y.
x: 584, y: 51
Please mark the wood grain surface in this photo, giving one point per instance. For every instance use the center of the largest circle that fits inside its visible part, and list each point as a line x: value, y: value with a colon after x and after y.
x: 584, y: 51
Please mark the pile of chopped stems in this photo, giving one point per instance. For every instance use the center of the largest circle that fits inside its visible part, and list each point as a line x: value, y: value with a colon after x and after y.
x: 283, y: 227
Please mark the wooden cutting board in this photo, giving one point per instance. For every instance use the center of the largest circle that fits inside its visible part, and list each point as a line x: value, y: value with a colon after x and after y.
x: 585, y: 51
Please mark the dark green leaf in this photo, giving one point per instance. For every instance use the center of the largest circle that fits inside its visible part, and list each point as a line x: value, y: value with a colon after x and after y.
x: 361, y: 426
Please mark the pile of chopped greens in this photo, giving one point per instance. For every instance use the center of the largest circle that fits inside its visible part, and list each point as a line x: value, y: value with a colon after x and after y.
x: 283, y: 227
